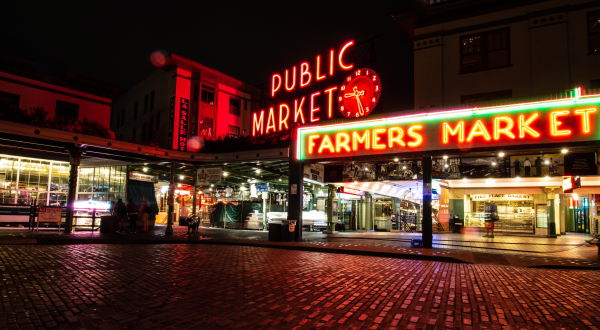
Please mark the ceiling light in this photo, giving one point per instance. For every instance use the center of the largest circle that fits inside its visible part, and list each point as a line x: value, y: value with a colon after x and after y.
x: 396, y: 159
x: 403, y: 167
x: 501, y: 154
x: 366, y: 168
x: 494, y: 163
x: 145, y: 169
x: 564, y: 151
x: 445, y: 165
x: 181, y: 177
x: 445, y: 157
x: 212, y: 185
x: 279, y: 179
x: 225, y: 174
x: 258, y: 171
x: 179, y: 185
x: 547, y: 162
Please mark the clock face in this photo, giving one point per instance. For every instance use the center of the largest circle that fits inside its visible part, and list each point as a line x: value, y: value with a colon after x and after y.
x: 359, y: 93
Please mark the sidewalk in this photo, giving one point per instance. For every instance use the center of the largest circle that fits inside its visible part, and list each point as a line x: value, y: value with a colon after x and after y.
x: 567, y: 251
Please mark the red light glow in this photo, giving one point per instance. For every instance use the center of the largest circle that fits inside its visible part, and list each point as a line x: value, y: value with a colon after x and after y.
x: 312, y: 107
x: 318, y: 73
x: 585, y: 118
x: 282, y: 120
x: 341, y: 56
x: 304, y: 72
x: 289, y: 88
x: 273, y: 88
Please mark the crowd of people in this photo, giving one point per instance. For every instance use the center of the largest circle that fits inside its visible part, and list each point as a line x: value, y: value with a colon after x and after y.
x: 130, y: 211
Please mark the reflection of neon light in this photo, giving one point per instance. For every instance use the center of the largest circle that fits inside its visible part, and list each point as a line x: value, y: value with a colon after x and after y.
x: 91, y: 204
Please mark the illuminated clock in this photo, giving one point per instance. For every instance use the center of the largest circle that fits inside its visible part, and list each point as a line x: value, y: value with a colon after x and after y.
x: 359, y: 93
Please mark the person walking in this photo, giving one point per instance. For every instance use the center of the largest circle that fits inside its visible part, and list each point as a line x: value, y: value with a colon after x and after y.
x: 145, y: 211
x: 121, y: 213
x: 491, y: 217
x: 517, y: 167
x: 538, y: 166
x: 527, y: 166
x: 132, y: 210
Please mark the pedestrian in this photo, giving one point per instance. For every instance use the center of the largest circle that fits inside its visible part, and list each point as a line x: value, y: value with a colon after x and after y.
x: 527, y: 166
x: 490, y: 219
x: 121, y: 213
x: 551, y: 167
x: 132, y: 210
x: 538, y: 166
x: 145, y: 211
x: 517, y: 167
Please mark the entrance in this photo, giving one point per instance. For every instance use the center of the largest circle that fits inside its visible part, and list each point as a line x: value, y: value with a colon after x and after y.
x: 580, y: 216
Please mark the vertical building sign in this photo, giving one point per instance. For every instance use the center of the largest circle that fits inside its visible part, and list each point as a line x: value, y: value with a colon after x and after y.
x: 184, y: 108
x: 171, y: 120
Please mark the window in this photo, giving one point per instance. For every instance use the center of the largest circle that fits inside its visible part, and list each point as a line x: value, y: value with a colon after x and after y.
x: 234, y: 131
x: 135, y: 110
x: 134, y: 135
x: 207, y: 95
x: 144, y: 131
x: 9, y: 101
x: 234, y: 107
x: 145, y: 104
x: 157, y: 121
x: 483, y: 97
x: 152, y: 101
x: 66, y: 111
x: 485, y: 50
x: 594, y: 32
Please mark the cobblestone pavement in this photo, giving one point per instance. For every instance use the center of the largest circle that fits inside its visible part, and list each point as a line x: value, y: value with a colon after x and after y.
x: 202, y: 286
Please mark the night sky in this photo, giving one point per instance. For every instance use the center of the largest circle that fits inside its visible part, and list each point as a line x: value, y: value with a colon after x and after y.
x: 248, y: 40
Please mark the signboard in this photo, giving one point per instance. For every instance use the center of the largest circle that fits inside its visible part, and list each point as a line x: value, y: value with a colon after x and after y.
x: 547, y: 122
x: 49, y: 214
x: 182, y: 126
x: 293, y: 188
x: 142, y: 177
x: 206, y: 176
x: 571, y: 183
x: 502, y: 197
x: 314, y: 172
x: 262, y: 187
x: 353, y: 191
x: 581, y: 164
x: 171, y: 120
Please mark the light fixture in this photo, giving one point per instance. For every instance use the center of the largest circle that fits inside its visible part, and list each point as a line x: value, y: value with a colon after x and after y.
x: 518, y: 178
x: 145, y: 169
x: 494, y: 163
x: 445, y: 165
x: 547, y: 162
x: 212, y: 185
x: 546, y: 177
x: 366, y: 168
x: 564, y: 151
x: 445, y: 157
x: 258, y: 171
x: 355, y: 182
x: 249, y: 180
x: 279, y: 179
x: 181, y: 177
x: 225, y: 174
x: 489, y: 181
x: 501, y: 154
x: 396, y: 159
x: 464, y: 179
x: 403, y: 167
x: 179, y: 185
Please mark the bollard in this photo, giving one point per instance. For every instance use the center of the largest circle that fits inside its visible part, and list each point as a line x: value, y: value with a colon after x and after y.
x: 93, y: 219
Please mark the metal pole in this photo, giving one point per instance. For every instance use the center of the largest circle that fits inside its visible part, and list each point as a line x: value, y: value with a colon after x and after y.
x: 427, y: 223
x: 295, y: 188
x: 194, y: 200
x: 74, y: 160
x: 171, y: 201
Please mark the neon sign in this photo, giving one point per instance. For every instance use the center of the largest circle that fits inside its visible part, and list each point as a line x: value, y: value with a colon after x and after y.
x: 305, y: 109
x: 359, y: 93
x: 353, y: 191
x: 184, y: 106
x: 555, y: 121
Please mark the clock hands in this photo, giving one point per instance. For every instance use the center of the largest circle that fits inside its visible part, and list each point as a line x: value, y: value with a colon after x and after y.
x: 356, y: 94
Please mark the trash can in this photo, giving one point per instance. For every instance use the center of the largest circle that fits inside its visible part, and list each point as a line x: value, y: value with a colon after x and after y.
x: 288, y: 228
x: 275, y: 232
x: 108, y: 224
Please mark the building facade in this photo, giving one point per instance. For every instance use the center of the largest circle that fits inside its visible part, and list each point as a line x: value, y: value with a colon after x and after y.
x: 472, y: 51
x: 69, y: 97
x: 181, y: 104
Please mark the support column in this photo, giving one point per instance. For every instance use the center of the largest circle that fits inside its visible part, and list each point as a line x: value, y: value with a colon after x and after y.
x: 550, y: 197
x: 194, y: 199
x: 74, y: 161
x: 171, y: 201
x: 330, y: 210
x: 427, y: 223
x: 368, y: 215
x: 295, y: 187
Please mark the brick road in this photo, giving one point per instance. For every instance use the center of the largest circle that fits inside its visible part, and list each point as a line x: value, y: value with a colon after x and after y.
x: 184, y: 286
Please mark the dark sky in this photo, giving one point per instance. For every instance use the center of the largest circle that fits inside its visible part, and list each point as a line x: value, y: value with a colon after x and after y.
x: 249, y: 40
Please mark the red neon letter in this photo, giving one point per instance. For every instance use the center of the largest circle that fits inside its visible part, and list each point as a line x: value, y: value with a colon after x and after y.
x: 317, y: 75
x: 357, y: 139
x: 311, y: 144
x: 326, y: 143
x: 345, y: 67
x: 397, y: 139
x: 506, y: 130
x: 312, y: 107
x: 258, y: 123
x: 273, y: 88
x: 330, y: 101
x: 304, y: 72
x: 331, y: 63
x: 339, y: 143
x: 479, y: 130
x: 555, y: 123
x: 293, y: 79
x: 271, y: 122
x: 417, y: 136
x: 376, y: 138
x: 459, y: 129
x: 287, y: 114
x: 524, y: 126
x: 585, y: 117
x: 298, y: 110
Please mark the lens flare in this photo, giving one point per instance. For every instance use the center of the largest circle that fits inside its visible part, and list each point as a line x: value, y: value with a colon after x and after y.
x: 158, y: 58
